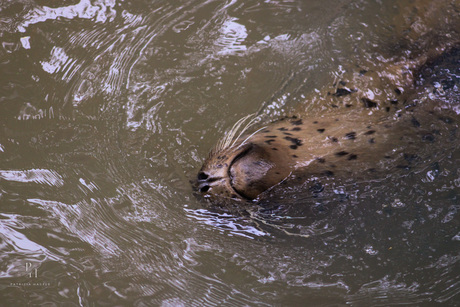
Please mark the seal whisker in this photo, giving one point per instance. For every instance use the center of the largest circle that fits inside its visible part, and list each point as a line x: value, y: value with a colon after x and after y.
x: 244, y: 142
x: 231, y: 137
x: 248, y: 125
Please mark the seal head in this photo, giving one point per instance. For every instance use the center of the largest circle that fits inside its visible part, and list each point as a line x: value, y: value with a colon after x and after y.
x: 242, y: 172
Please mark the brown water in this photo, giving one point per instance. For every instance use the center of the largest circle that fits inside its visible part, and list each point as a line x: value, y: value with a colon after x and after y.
x: 108, y: 108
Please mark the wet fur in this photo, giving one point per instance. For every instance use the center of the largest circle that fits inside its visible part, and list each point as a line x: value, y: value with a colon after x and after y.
x: 366, y: 134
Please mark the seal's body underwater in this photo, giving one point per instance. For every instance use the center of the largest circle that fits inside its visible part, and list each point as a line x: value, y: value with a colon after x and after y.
x: 364, y: 133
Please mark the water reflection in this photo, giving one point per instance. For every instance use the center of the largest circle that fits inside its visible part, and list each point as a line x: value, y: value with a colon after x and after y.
x: 49, y: 177
x: 226, y: 223
x: 108, y: 109
x: 99, y: 11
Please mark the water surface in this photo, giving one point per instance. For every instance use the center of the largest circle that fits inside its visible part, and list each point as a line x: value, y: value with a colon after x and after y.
x: 108, y: 108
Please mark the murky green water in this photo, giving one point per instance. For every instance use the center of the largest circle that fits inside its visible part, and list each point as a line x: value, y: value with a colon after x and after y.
x: 108, y: 109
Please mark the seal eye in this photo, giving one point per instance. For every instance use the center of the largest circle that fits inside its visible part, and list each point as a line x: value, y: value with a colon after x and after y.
x: 202, y: 176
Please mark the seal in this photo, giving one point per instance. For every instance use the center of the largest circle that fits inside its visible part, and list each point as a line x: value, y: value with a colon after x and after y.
x: 378, y: 120
x: 344, y: 144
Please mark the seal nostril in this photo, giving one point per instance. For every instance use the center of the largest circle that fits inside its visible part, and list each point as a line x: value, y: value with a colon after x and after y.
x: 204, y: 189
x: 202, y: 176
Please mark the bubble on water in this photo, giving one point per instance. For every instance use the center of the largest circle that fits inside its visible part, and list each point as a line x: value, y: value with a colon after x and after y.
x: 369, y: 249
x: 430, y: 176
x: 397, y: 203
x: 25, y: 42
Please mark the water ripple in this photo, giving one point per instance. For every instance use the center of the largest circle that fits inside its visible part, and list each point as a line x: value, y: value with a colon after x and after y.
x: 232, y: 37
x: 226, y: 223
x: 104, y: 201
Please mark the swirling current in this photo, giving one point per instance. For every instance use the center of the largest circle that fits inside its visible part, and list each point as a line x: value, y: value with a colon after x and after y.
x: 107, y: 111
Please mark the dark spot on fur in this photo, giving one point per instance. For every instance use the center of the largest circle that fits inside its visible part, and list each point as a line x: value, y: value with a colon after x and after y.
x: 342, y: 92
x: 269, y: 142
x: 334, y: 139
x: 453, y: 134
x: 341, y: 153
x: 406, y: 167
x: 328, y: 173
x: 283, y: 129
x: 219, y: 165
x: 293, y: 146
x: 369, y: 132
x: 271, y: 136
x: 410, y: 157
x: 265, y: 131
x: 387, y: 109
x: 352, y: 157
x: 321, y: 160
x: 294, y: 156
x: 315, y: 122
x: 446, y: 119
x: 287, y: 133
x: 372, y: 141
x: 274, y: 148
x: 368, y: 103
x: 348, y: 105
x: 394, y: 101
x: 296, y: 129
x: 316, y: 188
x: 295, y: 141
x: 297, y: 122
x: 343, y: 83
x: 362, y: 72
x: 350, y: 135
x: 398, y: 91
x: 387, y: 157
x: 428, y: 137
x: 415, y: 122
x: 321, y: 130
